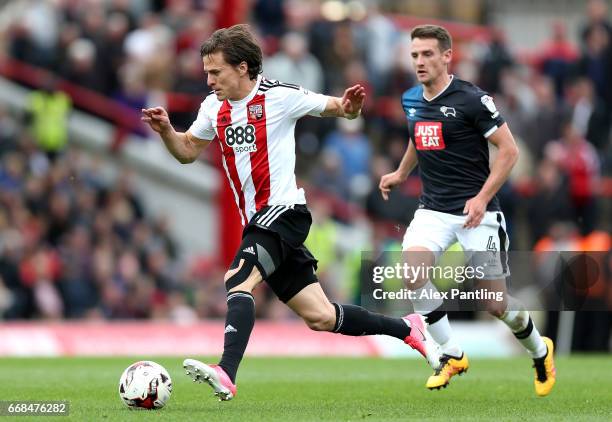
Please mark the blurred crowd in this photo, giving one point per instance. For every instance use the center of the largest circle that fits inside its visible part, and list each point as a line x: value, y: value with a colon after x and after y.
x: 76, y: 241
x: 557, y: 99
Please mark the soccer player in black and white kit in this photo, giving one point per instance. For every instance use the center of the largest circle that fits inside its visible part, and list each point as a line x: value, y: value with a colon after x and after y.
x: 451, y: 122
x: 254, y: 120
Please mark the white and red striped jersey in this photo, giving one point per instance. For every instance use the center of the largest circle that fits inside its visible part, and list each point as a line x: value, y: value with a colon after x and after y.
x: 257, y: 140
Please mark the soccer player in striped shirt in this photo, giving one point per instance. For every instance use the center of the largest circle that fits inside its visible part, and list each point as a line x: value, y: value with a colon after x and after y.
x: 254, y: 120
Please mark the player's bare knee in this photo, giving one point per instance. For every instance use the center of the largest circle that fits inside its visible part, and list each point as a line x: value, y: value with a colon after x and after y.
x: 415, y: 283
x: 497, y: 310
x: 229, y: 274
x: 417, y: 261
x: 242, y: 278
x: 320, y: 320
x: 414, y: 279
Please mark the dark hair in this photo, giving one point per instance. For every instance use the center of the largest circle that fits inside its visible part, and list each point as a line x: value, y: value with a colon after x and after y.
x: 237, y: 45
x: 439, y: 33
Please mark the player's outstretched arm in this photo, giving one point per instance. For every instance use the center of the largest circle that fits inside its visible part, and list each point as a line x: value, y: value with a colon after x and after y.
x: 507, y: 156
x: 349, y: 106
x: 182, y: 145
x: 390, y: 180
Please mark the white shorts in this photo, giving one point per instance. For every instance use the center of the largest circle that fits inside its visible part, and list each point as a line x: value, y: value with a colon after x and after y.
x: 437, y: 231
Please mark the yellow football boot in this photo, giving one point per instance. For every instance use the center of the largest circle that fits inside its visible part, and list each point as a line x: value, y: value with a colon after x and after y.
x: 449, y: 366
x: 546, y: 373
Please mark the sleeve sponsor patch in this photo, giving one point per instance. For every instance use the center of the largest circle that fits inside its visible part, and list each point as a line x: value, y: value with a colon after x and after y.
x: 487, y: 101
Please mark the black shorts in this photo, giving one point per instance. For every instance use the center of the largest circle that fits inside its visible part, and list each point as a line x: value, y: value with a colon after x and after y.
x: 274, y: 242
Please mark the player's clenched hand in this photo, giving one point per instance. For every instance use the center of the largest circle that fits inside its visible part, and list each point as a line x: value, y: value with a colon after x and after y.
x: 352, y: 101
x: 475, y: 209
x: 157, y: 118
x: 388, y: 182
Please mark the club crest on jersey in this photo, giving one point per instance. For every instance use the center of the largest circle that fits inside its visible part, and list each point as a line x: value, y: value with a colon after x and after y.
x: 448, y: 111
x: 255, y: 111
x: 411, y: 112
x: 487, y: 101
x: 428, y: 136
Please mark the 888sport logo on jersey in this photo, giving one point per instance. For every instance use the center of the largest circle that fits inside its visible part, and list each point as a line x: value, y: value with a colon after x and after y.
x: 241, y: 138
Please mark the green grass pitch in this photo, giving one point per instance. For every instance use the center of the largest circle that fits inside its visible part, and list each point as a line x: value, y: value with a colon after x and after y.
x: 322, y: 389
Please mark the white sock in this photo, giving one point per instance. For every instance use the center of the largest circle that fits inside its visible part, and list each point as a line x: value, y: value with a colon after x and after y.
x: 442, y: 333
x: 440, y: 329
x: 521, y: 325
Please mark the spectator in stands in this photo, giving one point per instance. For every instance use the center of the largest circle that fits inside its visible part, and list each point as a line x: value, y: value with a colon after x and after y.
x: 327, y: 175
x: 48, y: 113
x: 79, y: 293
x: 590, y: 115
x: 271, y: 16
x: 93, y: 26
x: 400, y: 77
x: 69, y: 33
x: 338, y: 54
x: 111, y: 49
x: 12, y: 173
x: 177, y: 15
x: 149, y: 40
x: 42, y: 22
x: 60, y: 216
x: 80, y: 66
x: 188, y: 81
x: 557, y: 58
x: 516, y: 101
x: 133, y: 91
x: 294, y: 64
x: 542, y: 123
x: 20, y: 46
x: 381, y: 37
x: 551, y: 189
x: 496, y: 60
x: 199, y: 28
x: 353, y: 148
x: 8, y: 132
x: 596, y: 62
x: 129, y: 9
x: 11, y: 242
x: 39, y: 270
x: 597, y: 15
x: 580, y: 163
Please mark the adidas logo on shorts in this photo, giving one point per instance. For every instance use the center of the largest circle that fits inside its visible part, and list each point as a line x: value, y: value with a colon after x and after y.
x: 250, y: 250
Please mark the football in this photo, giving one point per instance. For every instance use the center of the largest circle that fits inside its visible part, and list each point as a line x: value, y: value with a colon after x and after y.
x: 145, y: 384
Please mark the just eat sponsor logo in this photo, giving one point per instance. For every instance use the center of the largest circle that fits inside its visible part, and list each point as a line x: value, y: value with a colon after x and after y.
x: 428, y: 136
